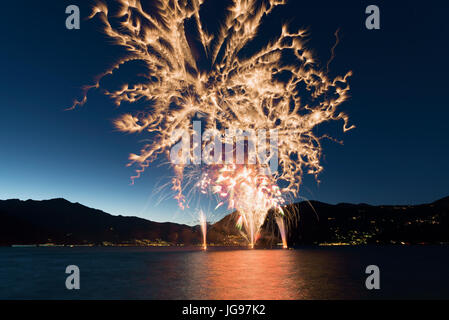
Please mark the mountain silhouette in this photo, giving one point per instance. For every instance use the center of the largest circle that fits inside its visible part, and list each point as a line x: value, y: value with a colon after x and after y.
x: 59, y: 221
x: 62, y: 222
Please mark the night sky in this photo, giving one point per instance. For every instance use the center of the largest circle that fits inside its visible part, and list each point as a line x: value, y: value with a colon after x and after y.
x: 398, y: 153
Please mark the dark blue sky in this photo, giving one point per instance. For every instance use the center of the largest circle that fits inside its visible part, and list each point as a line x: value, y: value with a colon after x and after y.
x: 398, y: 154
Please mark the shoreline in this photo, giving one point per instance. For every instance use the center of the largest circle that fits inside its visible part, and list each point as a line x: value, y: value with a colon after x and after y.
x: 200, y: 246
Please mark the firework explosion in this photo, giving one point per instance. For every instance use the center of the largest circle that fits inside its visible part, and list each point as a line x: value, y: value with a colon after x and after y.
x: 278, y: 87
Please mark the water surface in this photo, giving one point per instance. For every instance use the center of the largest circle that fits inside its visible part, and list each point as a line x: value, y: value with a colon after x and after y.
x: 183, y: 273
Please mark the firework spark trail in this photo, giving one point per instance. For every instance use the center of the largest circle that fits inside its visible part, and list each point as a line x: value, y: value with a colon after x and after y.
x: 236, y: 92
x: 337, y: 41
x: 281, y: 224
x: 203, y: 225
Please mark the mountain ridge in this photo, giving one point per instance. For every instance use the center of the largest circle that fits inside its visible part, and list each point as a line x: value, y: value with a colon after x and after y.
x: 60, y: 221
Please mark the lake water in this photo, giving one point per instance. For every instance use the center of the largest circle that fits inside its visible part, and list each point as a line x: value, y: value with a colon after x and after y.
x: 183, y: 273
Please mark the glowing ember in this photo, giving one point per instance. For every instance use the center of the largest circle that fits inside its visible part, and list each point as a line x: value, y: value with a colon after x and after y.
x: 237, y: 92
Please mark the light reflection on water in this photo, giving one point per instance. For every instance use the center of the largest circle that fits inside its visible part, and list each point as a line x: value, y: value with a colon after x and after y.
x: 266, y: 274
x: 173, y: 273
